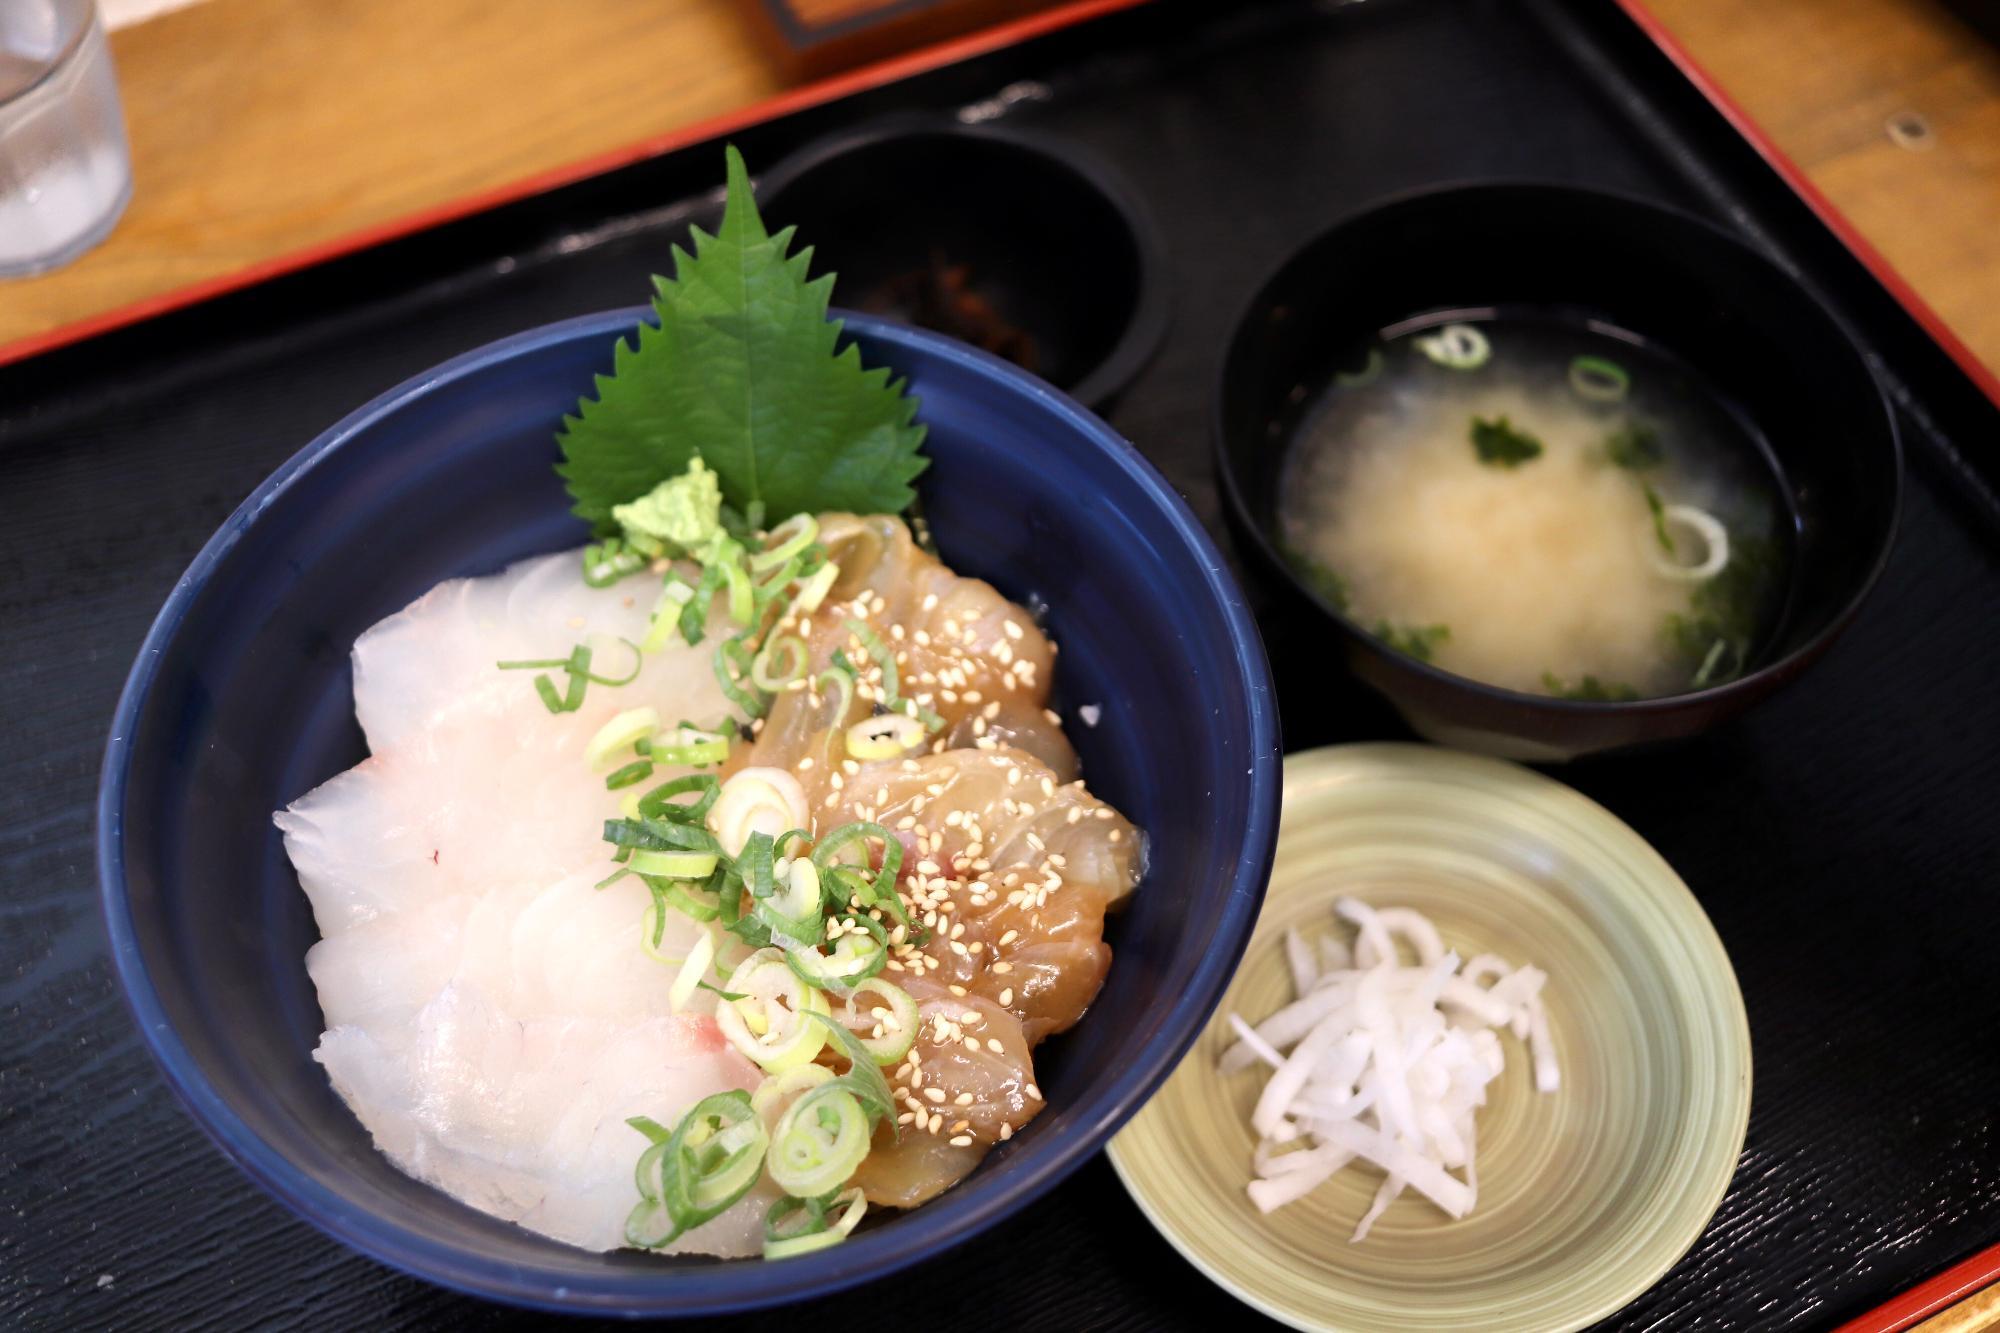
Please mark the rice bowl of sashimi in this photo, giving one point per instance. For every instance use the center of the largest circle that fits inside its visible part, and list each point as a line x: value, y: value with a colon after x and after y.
x: 693, y: 877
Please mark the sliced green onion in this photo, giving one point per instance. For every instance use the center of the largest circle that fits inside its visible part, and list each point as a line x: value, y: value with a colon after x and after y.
x: 814, y: 590
x: 831, y: 849
x: 659, y: 835
x: 620, y: 733
x: 605, y: 565
x: 675, y: 594
x: 781, y: 661
x: 713, y: 1158
x: 879, y: 653
x: 674, y: 864
x: 772, y: 1024
x: 1716, y: 654
x: 1457, y: 347
x: 1599, y: 380
x: 758, y: 799
x: 649, y: 1225
x: 850, y: 887
x: 1371, y: 370
x: 653, y: 927
x: 778, y: 1091
x: 687, y: 746
x: 819, y: 1142
x: 862, y: 1076
x: 887, y: 1039
x: 630, y: 775
x: 787, y: 540
x: 890, y: 736
x: 742, y: 593
x: 815, y: 1227
x: 659, y: 803
x: 1714, y: 538
x: 855, y: 959
x: 577, y: 667
x: 798, y: 889
x: 732, y: 664
x: 694, y: 616
x: 788, y: 903
x: 654, y: 1131
x: 703, y: 902
x: 693, y: 969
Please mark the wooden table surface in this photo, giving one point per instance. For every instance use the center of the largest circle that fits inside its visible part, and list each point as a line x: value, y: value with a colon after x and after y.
x: 266, y: 128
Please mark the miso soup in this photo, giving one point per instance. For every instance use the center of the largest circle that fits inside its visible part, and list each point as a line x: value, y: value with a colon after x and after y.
x: 1548, y: 506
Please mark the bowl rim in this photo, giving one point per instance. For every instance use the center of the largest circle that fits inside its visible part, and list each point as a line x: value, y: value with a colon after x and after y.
x: 722, y: 1286
x: 1153, y: 306
x: 1741, y: 690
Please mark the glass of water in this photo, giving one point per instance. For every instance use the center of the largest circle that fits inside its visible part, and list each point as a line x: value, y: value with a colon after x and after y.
x: 65, y: 173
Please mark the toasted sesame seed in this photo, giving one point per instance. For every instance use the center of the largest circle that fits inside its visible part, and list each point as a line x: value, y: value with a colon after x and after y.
x: 963, y: 1099
x: 957, y: 990
x: 1003, y: 968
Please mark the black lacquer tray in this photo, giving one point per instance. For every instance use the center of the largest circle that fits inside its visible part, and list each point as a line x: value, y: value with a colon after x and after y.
x: 1843, y: 837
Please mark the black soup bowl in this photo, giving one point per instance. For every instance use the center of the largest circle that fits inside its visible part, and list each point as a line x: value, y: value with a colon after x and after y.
x: 1765, y: 347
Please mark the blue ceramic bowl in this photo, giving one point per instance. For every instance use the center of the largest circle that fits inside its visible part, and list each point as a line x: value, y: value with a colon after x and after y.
x: 240, y: 701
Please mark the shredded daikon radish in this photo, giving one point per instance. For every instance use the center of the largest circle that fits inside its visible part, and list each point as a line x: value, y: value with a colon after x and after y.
x: 1387, y: 1061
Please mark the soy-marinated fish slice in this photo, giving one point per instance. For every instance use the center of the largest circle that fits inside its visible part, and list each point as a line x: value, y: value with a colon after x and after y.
x: 959, y: 649
x: 1002, y: 861
x: 967, y: 1083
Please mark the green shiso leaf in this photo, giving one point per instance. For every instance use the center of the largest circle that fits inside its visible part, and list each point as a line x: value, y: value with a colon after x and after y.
x: 741, y: 369
x: 1499, y: 444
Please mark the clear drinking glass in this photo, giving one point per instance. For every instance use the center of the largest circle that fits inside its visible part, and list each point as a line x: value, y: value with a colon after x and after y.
x: 65, y: 173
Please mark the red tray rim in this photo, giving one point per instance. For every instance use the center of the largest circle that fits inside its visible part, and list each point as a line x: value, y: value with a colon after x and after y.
x: 890, y: 70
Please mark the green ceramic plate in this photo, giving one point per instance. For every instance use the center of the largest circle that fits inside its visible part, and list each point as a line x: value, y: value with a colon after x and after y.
x: 1586, y: 1195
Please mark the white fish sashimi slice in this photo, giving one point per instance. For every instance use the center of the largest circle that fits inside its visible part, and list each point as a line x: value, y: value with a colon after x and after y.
x: 572, y: 950
x: 526, y: 1120
x: 492, y: 1017
x: 384, y: 971
x: 486, y: 802
x: 437, y: 656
